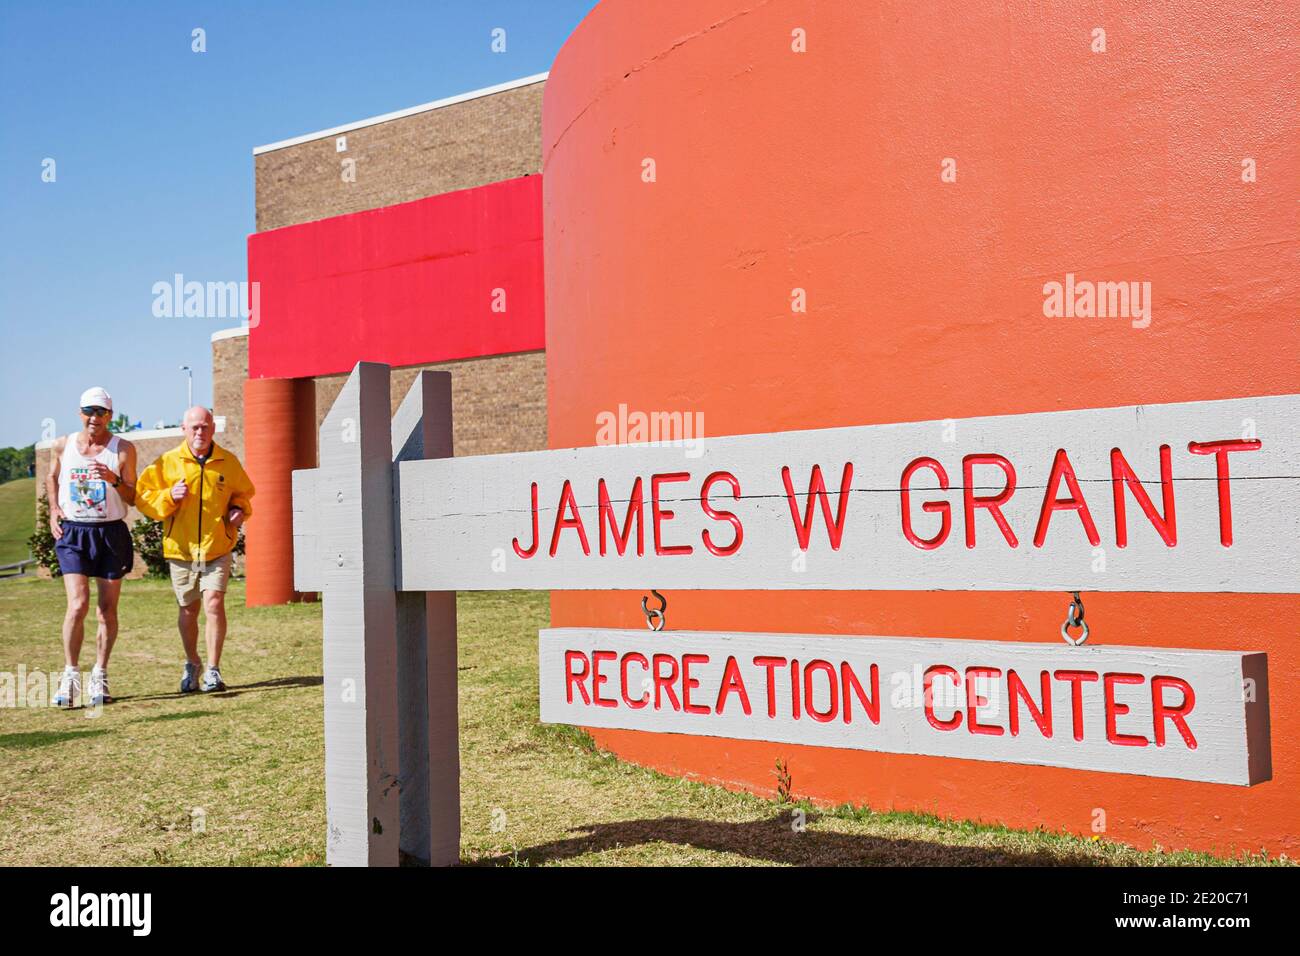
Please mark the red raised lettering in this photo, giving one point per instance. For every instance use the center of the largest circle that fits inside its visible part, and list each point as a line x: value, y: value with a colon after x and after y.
x: 641, y: 701
x: 689, y: 682
x: 933, y: 507
x: 1114, y: 709
x: 571, y: 678
x: 665, y: 684
x: 660, y: 515
x: 609, y: 522
x: 716, y: 515
x: 1062, y: 469
x: 770, y: 664
x: 824, y: 667
x: 1161, y: 711
x: 849, y: 680
x: 1121, y: 475
x: 598, y: 678
x: 1077, y: 679
x: 570, y: 503
x: 515, y: 542
x: 975, y: 700
x: 817, y: 488
x: 1220, y: 450
x: 1017, y: 691
x: 733, y: 684
x: 994, y: 503
x: 931, y: 672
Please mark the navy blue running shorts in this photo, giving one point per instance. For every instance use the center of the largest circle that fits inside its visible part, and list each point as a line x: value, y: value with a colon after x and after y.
x: 96, y: 549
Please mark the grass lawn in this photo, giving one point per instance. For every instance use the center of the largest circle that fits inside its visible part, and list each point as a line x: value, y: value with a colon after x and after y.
x: 124, y: 787
x: 17, y: 519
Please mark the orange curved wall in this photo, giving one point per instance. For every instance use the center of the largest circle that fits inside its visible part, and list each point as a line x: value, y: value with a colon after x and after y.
x: 279, y: 436
x: 821, y: 170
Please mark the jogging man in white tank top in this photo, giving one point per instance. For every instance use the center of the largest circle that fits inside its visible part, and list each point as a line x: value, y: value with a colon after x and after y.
x: 90, y: 484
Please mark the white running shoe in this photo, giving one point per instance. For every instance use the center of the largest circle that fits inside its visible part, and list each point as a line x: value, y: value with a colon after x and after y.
x: 98, y: 689
x: 69, y: 688
x: 212, y: 681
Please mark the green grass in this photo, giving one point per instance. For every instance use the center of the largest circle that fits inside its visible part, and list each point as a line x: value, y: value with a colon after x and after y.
x: 17, y: 519
x: 123, y: 788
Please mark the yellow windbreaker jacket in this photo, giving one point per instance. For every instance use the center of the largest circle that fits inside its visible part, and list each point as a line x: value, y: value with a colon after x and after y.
x: 195, y: 528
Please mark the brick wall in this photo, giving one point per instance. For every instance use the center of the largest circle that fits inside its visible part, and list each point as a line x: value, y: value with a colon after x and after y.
x: 229, y: 370
x: 467, y: 144
x: 498, y: 401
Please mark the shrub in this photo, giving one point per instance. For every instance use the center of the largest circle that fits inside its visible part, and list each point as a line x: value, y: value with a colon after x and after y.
x: 41, y: 543
x: 147, y: 537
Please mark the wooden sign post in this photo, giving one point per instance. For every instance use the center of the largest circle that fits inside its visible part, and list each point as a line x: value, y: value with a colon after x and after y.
x: 392, y: 765
x: 1198, y: 496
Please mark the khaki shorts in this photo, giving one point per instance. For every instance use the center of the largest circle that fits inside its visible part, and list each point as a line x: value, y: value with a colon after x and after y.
x: 189, y: 578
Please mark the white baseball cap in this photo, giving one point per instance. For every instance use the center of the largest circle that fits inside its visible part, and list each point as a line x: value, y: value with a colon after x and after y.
x: 96, y: 396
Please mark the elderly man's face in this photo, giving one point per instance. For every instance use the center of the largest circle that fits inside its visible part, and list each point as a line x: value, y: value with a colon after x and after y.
x: 198, y: 428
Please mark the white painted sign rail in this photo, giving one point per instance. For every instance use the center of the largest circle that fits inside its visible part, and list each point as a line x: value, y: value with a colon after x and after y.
x: 1200, y: 496
x: 1157, y: 712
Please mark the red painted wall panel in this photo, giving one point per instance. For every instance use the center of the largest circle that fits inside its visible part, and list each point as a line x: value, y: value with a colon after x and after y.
x: 406, y: 284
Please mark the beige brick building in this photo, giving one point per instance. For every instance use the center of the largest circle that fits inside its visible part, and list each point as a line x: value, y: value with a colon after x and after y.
x: 474, y: 139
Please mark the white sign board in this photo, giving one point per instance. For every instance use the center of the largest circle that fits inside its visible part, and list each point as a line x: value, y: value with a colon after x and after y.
x: 1200, y: 496
x: 1186, y: 714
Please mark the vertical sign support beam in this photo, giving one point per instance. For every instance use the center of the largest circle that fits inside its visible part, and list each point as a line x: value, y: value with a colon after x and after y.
x: 356, y: 555
x: 429, y: 757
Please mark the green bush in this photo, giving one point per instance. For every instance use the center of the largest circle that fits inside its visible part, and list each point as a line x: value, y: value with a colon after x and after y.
x: 147, y: 537
x: 41, y: 543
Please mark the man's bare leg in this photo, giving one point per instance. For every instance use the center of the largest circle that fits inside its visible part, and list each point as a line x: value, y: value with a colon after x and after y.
x: 106, y: 595
x: 187, y: 621
x: 214, y: 607
x: 77, y: 588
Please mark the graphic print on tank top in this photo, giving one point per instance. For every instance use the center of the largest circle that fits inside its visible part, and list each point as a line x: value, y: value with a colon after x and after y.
x: 89, y: 494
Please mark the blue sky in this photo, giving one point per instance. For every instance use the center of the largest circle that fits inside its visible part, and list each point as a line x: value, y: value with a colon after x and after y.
x: 152, y: 145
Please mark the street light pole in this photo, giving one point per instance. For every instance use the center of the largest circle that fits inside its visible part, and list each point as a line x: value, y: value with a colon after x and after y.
x: 189, y: 387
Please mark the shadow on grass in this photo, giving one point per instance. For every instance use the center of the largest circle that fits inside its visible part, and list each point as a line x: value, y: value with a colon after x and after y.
x: 774, y: 840
x: 183, y: 715
x: 44, y: 738
x: 278, y: 683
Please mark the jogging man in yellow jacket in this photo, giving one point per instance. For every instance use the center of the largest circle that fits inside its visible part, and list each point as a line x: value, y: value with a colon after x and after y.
x: 200, y: 493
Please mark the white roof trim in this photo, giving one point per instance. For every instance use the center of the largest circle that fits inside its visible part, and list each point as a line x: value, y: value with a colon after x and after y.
x: 175, y: 432
x: 425, y: 107
x: 229, y: 333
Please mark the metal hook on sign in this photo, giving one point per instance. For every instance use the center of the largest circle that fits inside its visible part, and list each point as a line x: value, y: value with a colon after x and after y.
x: 654, y: 617
x: 1074, y: 618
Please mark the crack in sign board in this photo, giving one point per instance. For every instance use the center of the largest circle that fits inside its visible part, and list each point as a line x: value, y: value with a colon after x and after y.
x: 1158, y: 712
x: 1196, y: 496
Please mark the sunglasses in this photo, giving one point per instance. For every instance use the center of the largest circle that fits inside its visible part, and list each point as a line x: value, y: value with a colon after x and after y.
x: 94, y: 411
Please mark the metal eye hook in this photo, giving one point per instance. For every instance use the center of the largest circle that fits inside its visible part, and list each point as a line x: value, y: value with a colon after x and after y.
x: 654, y: 617
x: 1074, y: 618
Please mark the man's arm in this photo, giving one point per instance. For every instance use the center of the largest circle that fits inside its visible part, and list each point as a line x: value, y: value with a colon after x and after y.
x: 241, y: 497
x: 126, y: 470
x: 52, y: 487
x: 153, y: 495
x: 242, y: 491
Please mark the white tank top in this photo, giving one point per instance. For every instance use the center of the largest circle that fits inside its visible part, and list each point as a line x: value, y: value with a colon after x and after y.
x: 82, y: 497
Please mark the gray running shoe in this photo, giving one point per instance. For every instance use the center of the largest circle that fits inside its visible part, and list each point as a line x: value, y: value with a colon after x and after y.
x: 190, y: 679
x: 212, y: 681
